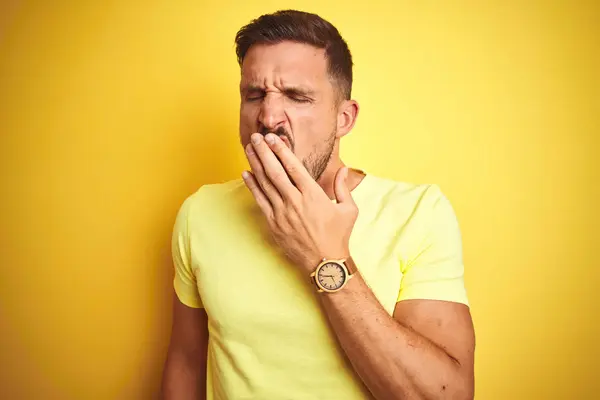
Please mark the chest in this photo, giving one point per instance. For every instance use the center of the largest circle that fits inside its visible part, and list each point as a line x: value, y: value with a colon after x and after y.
x: 247, y: 283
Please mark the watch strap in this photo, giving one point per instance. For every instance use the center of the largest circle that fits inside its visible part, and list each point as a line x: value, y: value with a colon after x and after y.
x: 350, y: 266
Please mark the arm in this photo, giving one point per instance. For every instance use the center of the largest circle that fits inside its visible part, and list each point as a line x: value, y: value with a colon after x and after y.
x: 184, y: 375
x: 425, y: 351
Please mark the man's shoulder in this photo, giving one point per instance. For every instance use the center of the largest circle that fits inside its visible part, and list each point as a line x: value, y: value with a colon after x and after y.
x: 209, y: 198
x: 422, y: 209
x: 217, y: 192
x: 406, y: 193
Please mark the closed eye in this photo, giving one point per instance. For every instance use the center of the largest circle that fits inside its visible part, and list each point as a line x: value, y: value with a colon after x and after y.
x: 298, y: 96
x: 254, y: 98
x: 299, y: 99
x: 255, y: 95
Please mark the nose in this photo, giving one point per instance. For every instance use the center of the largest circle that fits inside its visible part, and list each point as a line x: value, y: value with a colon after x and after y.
x: 272, y: 112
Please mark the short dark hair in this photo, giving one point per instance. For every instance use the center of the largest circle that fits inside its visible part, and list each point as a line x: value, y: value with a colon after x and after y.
x: 301, y: 27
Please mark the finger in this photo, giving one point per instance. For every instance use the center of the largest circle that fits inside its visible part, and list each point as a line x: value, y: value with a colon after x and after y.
x: 273, y: 167
x: 261, y: 178
x: 260, y: 197
x: 291, y: 164
x: 340, y: 187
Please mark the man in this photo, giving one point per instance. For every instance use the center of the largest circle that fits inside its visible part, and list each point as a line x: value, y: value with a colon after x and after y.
x: 284, y: 290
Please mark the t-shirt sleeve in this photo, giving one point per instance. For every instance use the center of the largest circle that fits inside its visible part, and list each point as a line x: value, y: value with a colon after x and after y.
x: 436, y: 271
x: 184, y: 281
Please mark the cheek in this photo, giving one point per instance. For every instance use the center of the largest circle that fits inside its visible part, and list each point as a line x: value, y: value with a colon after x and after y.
x: 248, y: 123
x: 311, y: 127
x: 248, y: 115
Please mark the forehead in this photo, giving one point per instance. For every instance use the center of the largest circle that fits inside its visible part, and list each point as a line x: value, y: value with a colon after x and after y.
x: 286, y: 62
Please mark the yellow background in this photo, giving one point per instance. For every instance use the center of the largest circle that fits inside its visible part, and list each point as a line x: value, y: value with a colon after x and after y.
x: 111, y: 113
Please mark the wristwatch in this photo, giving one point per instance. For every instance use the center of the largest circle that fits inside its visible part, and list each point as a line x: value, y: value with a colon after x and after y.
x: 331, y: 275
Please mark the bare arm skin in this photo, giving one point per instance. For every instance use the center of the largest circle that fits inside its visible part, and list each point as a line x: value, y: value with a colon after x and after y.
x: 425, y: 351
x: 184, y: 375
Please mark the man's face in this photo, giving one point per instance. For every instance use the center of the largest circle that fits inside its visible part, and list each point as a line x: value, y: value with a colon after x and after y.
x: 285, y: 89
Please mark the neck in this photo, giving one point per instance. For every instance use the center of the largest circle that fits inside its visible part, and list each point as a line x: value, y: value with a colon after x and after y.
x: 327, y: 179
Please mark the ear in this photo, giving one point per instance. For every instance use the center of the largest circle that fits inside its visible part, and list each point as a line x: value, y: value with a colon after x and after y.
x: 347, y: 114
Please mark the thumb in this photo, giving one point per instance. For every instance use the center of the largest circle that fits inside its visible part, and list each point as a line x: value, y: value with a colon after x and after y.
x: 341, y: 189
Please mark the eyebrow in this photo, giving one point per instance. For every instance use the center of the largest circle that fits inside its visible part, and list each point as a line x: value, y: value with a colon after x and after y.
x: 290, y: 90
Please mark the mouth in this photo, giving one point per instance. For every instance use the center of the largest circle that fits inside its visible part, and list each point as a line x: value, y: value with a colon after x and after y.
x: 281, y: 132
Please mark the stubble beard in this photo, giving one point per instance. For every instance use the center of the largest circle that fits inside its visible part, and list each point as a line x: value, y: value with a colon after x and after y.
x: 316, y: 162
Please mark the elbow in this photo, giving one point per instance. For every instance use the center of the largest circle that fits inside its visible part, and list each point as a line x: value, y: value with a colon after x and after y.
x: 457, y: 393
x: 463, y: 394
x: 460, y: 390
x: 463, y: 387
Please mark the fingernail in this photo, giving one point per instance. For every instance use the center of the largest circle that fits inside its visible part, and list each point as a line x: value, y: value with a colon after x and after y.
x: 249, y: 149
x: 245, y: 174
x: 256, y: 138
x: 270, y: 138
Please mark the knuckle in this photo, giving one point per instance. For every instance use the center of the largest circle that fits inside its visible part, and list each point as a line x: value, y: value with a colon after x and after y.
x: 271, y: 219
x: 295, y: 203
x: 277, y: 222
x: 291, y: 168
x: 264, y: 182
x: 278, y: 176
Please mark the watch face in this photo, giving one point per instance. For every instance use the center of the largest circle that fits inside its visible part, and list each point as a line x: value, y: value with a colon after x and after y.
x: 331, y: 276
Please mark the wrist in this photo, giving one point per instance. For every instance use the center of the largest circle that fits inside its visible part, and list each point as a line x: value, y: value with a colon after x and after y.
x: 352, y: 269
x: 332, y: 274
x: 314, y: 262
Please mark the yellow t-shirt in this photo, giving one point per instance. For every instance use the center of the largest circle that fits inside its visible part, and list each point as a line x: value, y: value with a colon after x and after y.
x: 268, y: 338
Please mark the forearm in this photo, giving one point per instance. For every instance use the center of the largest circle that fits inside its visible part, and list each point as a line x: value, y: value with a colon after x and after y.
x: 183, y: 378
x: 392, y: 360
